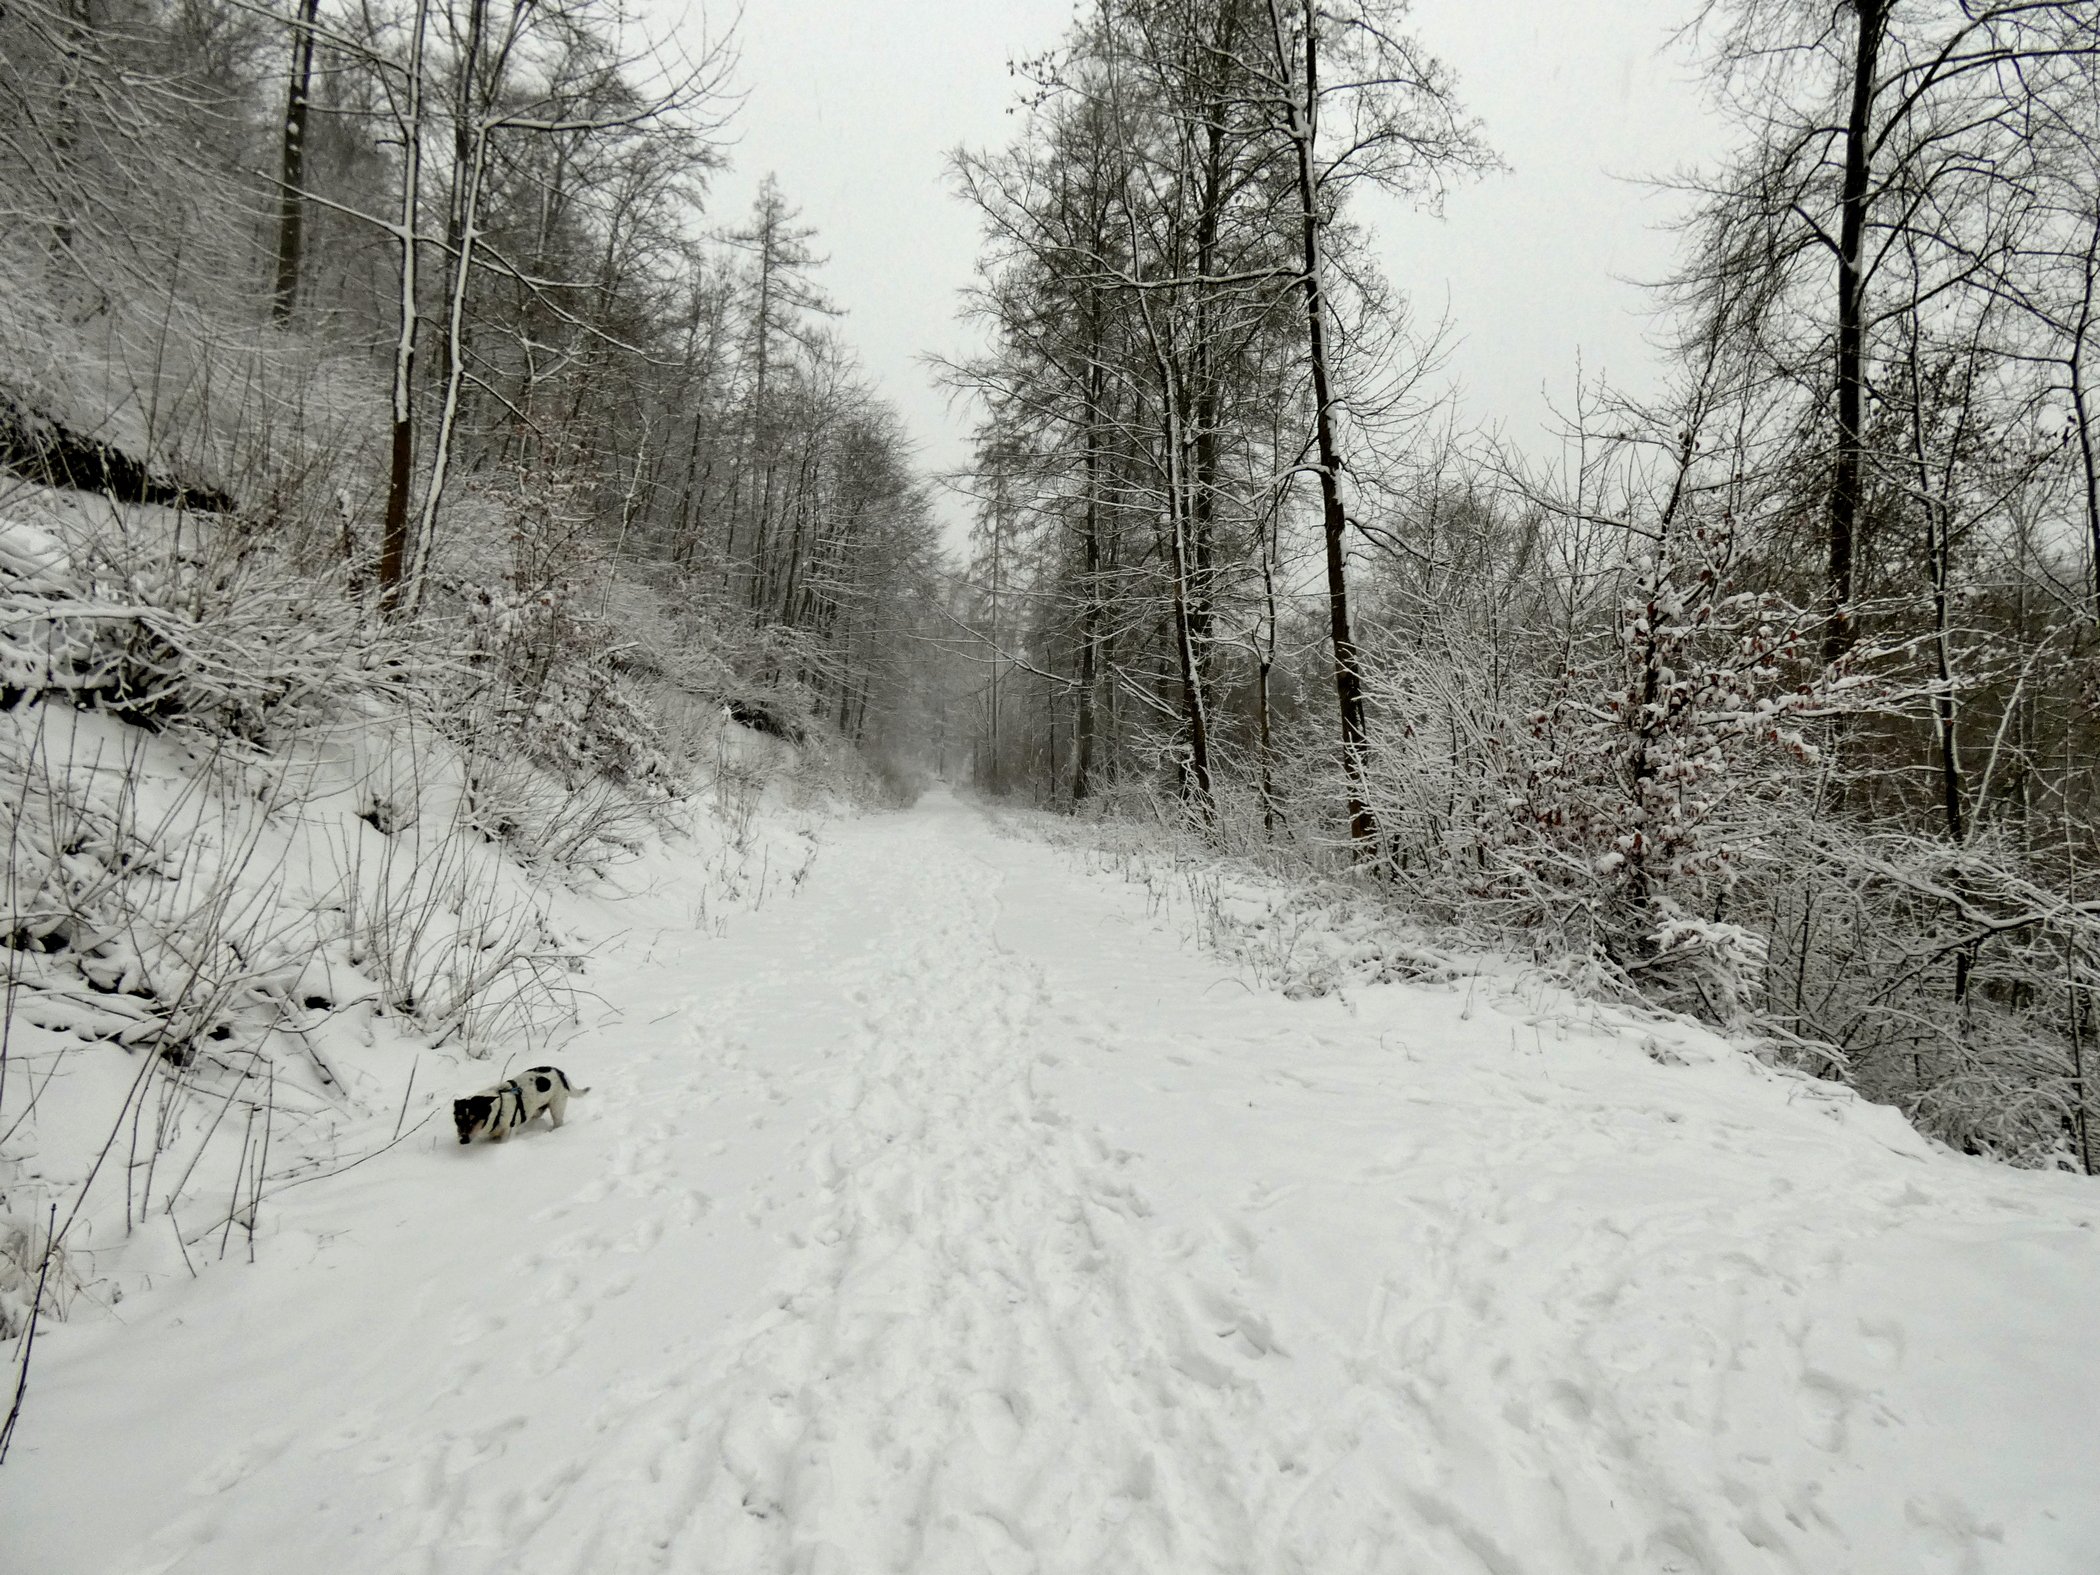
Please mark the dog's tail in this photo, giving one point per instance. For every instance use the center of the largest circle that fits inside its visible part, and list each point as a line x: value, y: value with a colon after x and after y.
x: 555, y: 1071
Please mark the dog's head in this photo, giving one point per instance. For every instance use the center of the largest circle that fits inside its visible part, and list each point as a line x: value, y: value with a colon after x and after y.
x: 473, y: 1113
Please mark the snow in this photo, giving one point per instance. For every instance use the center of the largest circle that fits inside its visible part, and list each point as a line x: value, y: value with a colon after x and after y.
x: 32, y: 559
x: 949, y: 1212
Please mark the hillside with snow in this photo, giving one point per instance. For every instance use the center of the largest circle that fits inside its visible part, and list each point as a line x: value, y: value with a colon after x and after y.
x: 273, y: 870
x: 953, y: 1211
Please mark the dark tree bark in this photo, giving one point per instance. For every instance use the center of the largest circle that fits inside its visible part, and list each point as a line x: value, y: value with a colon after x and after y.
x: 48, y: 451
x: 2089, y: 462
x: 1847, y: 481
x: 394, y: 533
x: 1090, y: 586
x: 291, y: 199
x: 1348, y: 673
x: 1196, y: 782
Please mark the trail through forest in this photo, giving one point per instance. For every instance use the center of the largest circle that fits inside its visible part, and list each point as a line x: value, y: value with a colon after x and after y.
x: 952, y: 1215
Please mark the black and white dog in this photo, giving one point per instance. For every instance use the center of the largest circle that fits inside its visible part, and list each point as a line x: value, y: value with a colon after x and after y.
x: 494, y: 1112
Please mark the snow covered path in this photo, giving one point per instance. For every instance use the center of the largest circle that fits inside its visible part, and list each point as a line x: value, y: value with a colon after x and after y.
x: 949, y: 1216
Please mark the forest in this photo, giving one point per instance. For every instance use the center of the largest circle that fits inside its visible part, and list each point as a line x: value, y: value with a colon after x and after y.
x: 432, y: 302
x: 649, y: 925
x: 1770, y: 698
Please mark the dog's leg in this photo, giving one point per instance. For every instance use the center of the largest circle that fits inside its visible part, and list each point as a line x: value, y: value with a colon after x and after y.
x: 557, y: 1104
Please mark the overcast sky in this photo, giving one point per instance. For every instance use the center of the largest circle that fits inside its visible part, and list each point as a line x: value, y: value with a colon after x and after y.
x: 855, y: 104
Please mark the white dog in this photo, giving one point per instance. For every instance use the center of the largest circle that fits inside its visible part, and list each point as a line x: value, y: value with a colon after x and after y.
x: 494, y: 1112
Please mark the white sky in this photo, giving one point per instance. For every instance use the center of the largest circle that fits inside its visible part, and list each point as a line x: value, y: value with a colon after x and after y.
x: 854, y: 105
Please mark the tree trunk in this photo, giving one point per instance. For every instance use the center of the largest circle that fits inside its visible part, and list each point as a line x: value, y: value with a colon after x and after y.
x: 1090, y: 593
x: 1205, y: 372
x: 1952, y: 792
x: 1196, y: 783
x: 291, y: 200
x: 467, y: 154
x: 80, y: 22
x: 394, y: 543
x: 455, y: 362
x: 1848, y: 480
x: 1348, y: 677
x: 2079, y: 402
x: 760, y: 449
x: 1264, y: 667
x: 682, y: 548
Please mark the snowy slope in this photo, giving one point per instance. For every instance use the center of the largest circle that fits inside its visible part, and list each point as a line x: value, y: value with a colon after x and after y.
x: 950, y: 1216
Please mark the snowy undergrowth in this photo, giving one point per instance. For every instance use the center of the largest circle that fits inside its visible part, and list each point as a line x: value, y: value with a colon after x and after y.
x: 1306, y: 935
x: 278, y: 875
x: 1301, y: 935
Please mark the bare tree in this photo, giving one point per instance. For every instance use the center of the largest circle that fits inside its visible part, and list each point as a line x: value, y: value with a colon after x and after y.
x: 291, y: 199
x: 1357, y: 100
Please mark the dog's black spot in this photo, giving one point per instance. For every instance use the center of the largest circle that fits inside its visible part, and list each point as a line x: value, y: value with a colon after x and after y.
x: 542, y: 1084
x: 469, y: 1113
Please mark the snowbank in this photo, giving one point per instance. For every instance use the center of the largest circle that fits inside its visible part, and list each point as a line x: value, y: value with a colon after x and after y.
x: 957, y: 1215
x: 274, y: 888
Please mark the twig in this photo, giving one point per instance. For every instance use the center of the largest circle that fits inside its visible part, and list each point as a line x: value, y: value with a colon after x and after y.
x: 262, y: 1163
x: 176, y: 1226
x: 226, y: 1104
x: 233, y: 1205
x: 14, y: 1412
x: 404, y: 1096
x: 323, y: 1175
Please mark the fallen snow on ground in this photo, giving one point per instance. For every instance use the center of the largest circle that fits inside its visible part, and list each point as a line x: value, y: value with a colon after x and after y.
x: 953, y: 1216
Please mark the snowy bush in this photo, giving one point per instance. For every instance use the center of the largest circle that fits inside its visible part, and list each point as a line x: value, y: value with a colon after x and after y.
x: 163, y: 619
x: 245, y: 835
x: 1933, y: 977
x: 1603, y: 808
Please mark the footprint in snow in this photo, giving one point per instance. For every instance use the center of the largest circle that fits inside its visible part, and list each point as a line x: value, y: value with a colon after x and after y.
x: 590, y: 1192
x: 559, y: 1290
x: 348, y: 1433
x: 1828, y: 1404
x: 1228, y: 1320
x: 1883, y: 1340
x: 461, y: 1453
x: 645, y: 1235
x: 470, y: 1328
x: 551, y: 1356
x: 237, y: 1465
x: 994, y: 1420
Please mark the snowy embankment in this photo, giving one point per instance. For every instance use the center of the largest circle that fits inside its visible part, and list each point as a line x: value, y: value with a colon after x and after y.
x: 277, y: 871
x: 954, y: 1216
